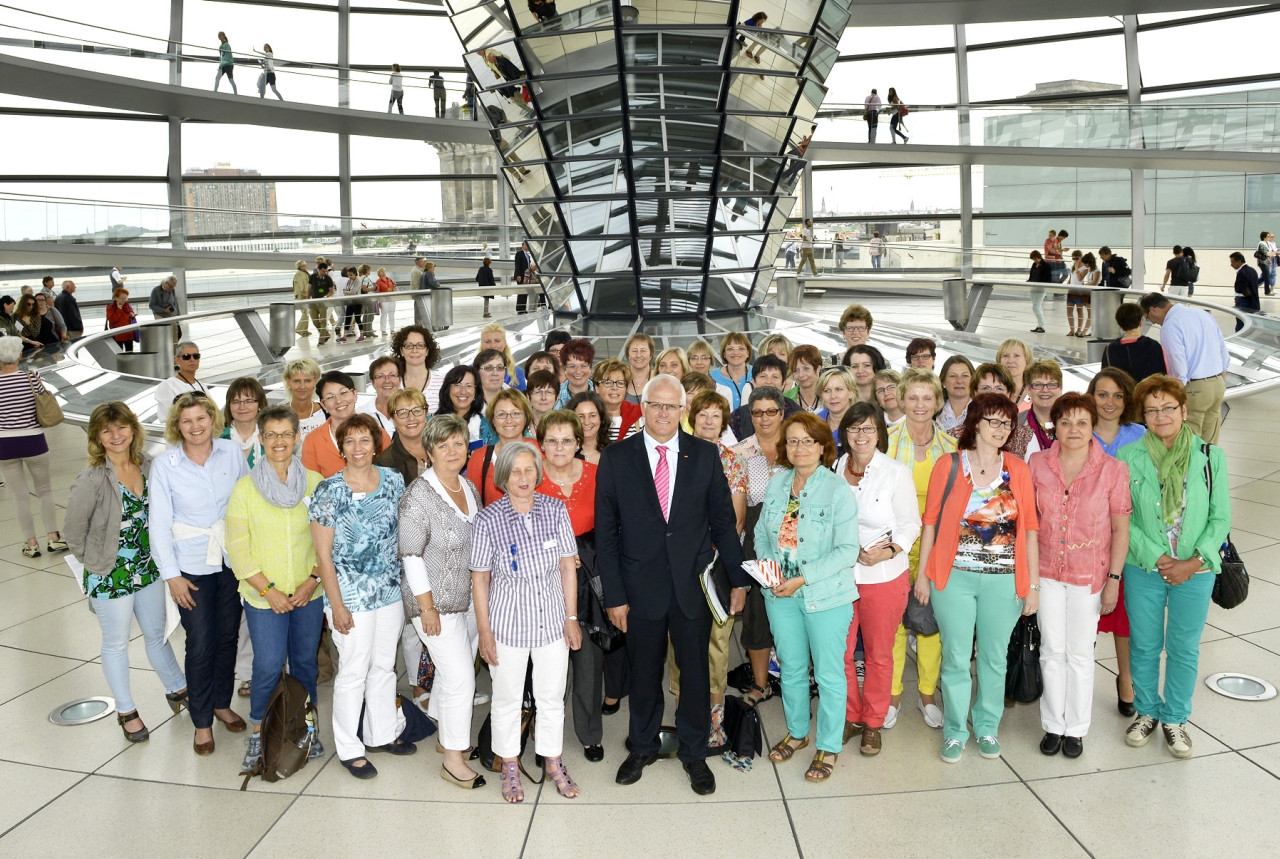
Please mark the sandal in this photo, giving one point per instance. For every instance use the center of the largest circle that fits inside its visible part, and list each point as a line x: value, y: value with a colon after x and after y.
x: 511, y: 790
x: 245, y: 688
x: 763, y: 694
x: 565, y: 786
x: 820, y: 769
x: 784, y: 749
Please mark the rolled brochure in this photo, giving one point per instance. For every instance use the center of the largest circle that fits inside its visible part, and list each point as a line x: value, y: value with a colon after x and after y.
x: 767, y: 573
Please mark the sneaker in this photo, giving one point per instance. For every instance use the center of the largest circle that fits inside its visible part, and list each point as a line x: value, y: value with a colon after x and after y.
x: 1140, y: 731
x: 989, y: 747
x: 932, y: 714
x: 851, y: 730
x: 253, y: 753
x: 890, y: 717
x: 1178, y: 740
x: 860, y: 667
x: 951, y: 751
x: 480, y: 698
x: 317, y: 748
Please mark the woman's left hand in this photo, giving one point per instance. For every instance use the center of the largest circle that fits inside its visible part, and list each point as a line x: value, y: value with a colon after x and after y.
x: 573, y: 634
x: 1031, y: 604
x: 788, y: 587
x: 1178, y: 572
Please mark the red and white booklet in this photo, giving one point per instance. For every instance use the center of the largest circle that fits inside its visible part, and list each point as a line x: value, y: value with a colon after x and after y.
x: 767, y: 573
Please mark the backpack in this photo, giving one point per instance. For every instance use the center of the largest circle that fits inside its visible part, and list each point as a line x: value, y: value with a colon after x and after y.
x: 288, y: 726
x: 1124, y: 274
x: 1188, y: 271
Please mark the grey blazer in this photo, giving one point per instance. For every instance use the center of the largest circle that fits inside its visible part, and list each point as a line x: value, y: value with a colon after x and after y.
x: 94, y: 510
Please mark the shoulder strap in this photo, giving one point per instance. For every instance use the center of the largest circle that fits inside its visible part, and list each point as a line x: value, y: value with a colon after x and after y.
x: 951, y: 479
x: 1208, y: 472
x: 484, y: 474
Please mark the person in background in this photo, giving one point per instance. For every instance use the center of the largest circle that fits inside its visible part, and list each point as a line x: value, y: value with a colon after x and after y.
x: 806, y: 248
x: 301, y: 288
x: 886, y: 391
x: 352, y: 310
x: 1116, y: 272
x: 119, y: 314
x: 1181, y: 517
x: 397, y: 89
x: 590, y: 409
x: 1196, y: 353
x: 526, y: 273
x: 268, y: 76
x: 386, y: 309
x: 576, y: 357
x: 877, y: 247
x: 804, y: 365
x: 270, y: 550
x: 226, y: 64
x: 484, y: 277
x: 542, y: 389
x: 320, y: 285
x: 871, y: 114
x: 1041, y: 272
x: 1133, y: 352
x: 186, y: 358
x: 368, y: 286
x: 67, y: 305
x: 957, y: 372
x: 1082, y: 498
x: 321, y: 451
x: 191, y: 485
x: 407, y: 453
x: 1015, y: 356
x: 1246, y: 287
x: 44, y: 306
x: 438, y: 93
x: 888, y: 524
x: 921, y: 353
x: 1173, y: 271
x: 300, y: 377
x: 979, y: 559
x: 897, y: 109
x: 163, y: 303
x: 1267, y: 257
x: 461, y: 397
x: 8, y: 326
x: 24, y: 449
x: 107, y: 534
x: 35, y: 329
x: 811, y: 611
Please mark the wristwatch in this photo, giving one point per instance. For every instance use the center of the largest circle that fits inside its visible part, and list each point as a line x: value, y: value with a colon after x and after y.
x: 319, y: 581
x: 1115, y: 576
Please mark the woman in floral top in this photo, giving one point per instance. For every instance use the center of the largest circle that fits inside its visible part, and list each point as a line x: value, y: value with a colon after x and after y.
x: 354, y: 518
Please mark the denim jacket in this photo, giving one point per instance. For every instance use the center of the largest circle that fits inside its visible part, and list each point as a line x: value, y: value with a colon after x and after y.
x: 828, y: 535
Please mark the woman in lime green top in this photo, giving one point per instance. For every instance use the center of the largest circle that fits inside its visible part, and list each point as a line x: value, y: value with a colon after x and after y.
x: 269, y: 545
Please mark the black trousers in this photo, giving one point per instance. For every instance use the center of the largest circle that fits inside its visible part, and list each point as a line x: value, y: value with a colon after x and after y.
x: 213, y: 630
x: 647, y: 653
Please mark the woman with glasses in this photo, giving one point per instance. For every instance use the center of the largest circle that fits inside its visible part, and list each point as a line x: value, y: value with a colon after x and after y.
x: 384, y: 378
x: 576, y: 357
x: 461, y: 398
x: 836, y: 388
x: 418, y: 353
x: 354, y: 518
x: 245, y: 400
x: 542, y: 389
x: 918, y: 443
x: 855, y: 328
x: 612, y: 379
x: 1044, y: 381
x: 808, y: 527
x: 269, y: 548
x: 886, y: 391
x: 589, y: 408
x: 320, y: 450
x: 992, y: 378
x: 544, y: 361
x: 957, y: 372
x: 191, y: 485
x: 735, y: 374
x: 525, y: 585
x: 492, y: 372
x: 186, y: 356
x: 407, y: 453
x: 512, y: 419
x: 300, y: 377
x: 979, y: 555
x: 1181, y: 517
x: 803, y: 366
x: 494, y: 336
x: 921, y: 353
x: 888, y: 525
x: 436, y: 517
x: 638, y: 353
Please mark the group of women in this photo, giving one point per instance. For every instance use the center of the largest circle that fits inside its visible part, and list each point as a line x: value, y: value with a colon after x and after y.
x: 455, y: 512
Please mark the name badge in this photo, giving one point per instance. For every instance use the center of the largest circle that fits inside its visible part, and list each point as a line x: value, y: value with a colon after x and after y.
x: 549, y: 544
x: 358, y: 496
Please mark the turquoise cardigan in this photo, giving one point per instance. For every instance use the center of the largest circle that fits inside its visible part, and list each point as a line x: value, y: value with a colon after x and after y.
x: 828, y: 532
x: 1205, y: 521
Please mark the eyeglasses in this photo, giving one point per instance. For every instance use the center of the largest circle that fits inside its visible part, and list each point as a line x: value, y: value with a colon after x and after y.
x: 997, y: 423
x: 805, y: 442
x: 338, y: 395
x: 463, y: 386
x: 612, y: 383
x: 413, y: 347
x: 765, y: 413
x: 560, y: 442
x: 1045, y: 386
x: 856, y: 329
x: 867, y: 430
x: 387, y: 377
x: 992, y: 389
x: 507, y: 416
x: 244, y: 402
x: 199, y: 395
x: 286, y: 436
x: 664, y: 407
x: 920, y: 356
x: 190, y: 356
x: 493, y: 368
x: 1167, y: 411
x: 880, y: 392
x: 403, y: 414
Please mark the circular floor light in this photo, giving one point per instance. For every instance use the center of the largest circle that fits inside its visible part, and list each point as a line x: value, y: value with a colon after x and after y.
x: 1241, y: 687
x: 82, y: 711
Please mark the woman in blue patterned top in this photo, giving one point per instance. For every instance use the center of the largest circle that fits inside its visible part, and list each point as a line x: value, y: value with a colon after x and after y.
x: 354, y: 518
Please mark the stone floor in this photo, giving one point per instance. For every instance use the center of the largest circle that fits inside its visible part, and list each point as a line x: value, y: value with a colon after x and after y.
x: 85, y: 791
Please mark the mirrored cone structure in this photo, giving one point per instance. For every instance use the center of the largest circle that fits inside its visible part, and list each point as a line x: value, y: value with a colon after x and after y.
x: 653, y: 147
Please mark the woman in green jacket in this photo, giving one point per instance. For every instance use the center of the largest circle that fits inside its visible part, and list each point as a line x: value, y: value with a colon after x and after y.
x: 808, y: 526
x: 1181, y: 516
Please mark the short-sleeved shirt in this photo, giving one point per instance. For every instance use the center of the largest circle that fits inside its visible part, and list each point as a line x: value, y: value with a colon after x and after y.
x: 581, y: 504
x: 988, y: 528
x: 365, y: 545
x: 522, y: 553
x: 735, y: 469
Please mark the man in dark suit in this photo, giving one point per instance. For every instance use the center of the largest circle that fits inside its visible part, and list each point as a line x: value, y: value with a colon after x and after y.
x: 662, y: 504
x: 523, y: 262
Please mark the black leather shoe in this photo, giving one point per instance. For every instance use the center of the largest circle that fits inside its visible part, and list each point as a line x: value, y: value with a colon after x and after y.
x: 1073, y: 747
x: 1050, y: 744
x: 633, y: 767
x: 609, y: 709
x: 595, y: 754
x: 1126, y: 708
x: 399, y: 747
x: 701, y: 778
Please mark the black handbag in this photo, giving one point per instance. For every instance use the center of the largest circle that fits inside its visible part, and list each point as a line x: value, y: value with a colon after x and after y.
x: 1231, y: 586
x: 1022, y: 681
x: 743, y: 735
x: 919, y: 617
x: 592, y: 615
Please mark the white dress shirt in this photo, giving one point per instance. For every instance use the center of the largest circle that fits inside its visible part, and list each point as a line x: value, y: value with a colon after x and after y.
x: 887, y: 504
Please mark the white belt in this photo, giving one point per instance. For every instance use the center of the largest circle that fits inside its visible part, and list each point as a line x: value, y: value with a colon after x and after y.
x: 217, y: 534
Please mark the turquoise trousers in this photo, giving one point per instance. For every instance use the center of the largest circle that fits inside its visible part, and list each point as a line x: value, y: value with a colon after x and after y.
x: 1169, y: 619
x: 985, y: 605
x: 818, y: 636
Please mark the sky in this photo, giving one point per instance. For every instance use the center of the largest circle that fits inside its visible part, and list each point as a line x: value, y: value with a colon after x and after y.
x: 78, y: 146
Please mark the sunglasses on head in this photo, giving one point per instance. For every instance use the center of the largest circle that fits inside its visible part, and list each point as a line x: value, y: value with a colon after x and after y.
x: 199, y: 395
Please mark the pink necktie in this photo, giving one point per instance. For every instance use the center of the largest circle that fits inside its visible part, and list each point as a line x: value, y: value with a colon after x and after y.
x: 661, y: 479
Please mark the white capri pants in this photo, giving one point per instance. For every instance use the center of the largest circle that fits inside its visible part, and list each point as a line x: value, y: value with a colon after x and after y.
x: 16, y: 477
x: 550, y: 677
x: 366, y: 674
x: 1068, y: 618
x: 453, y: 692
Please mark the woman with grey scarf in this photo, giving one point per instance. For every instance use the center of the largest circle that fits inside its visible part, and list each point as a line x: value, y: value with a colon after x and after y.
x: 269, y: 545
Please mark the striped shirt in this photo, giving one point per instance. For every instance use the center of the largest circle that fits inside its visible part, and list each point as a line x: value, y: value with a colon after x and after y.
x: 522, y: 553
x: 903, y: 449
x: 18, y: 403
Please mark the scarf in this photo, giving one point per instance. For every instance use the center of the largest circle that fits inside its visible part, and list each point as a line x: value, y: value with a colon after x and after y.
x: 1042, y: 436
x: 288, y: 494
x: 1171, y: 467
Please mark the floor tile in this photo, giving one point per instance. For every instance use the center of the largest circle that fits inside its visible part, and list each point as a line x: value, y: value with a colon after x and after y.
x: 1262, y: 563
x: 1136, y: 812
x: 71, y: 631
x: 1267, y: 757
x: 21, y: 671
x: 28, y: 789
x: 1239, y: 724
x: 1260, y: 611
x: 32, y: 596
x: 147, y: 819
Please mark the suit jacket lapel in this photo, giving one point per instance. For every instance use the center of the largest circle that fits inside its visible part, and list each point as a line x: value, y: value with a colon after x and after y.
x: 644, y: 475
x: 684, y: 473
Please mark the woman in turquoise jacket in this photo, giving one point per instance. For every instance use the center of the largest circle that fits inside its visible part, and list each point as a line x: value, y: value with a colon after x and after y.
x: 1181, y: 517
x: 809, y: 526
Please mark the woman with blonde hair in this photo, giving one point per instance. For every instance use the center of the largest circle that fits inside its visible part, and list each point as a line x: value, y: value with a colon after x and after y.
x: 1015, y: 356
x: 107, y: 532
x: 837, y: 388
x: 673, y: 362
x: 494, y: 336
x: 300, y: 377
x: 736, y: 353
x: 612, y: 379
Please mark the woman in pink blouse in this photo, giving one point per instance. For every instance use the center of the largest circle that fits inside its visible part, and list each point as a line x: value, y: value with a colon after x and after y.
x: 1083, y: 499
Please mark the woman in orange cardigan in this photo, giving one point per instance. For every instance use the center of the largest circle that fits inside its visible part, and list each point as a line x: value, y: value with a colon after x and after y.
x: 980, y: 563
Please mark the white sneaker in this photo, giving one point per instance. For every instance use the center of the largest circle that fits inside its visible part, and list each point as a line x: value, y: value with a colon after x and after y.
x: 931, y: 712
x: 890, y: 718
x: 481, y: 698
x: 1177, y: 740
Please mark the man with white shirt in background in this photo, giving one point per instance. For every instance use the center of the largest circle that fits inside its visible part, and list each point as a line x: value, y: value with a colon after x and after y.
x: 871, y: 113
x: 1196, y: 353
